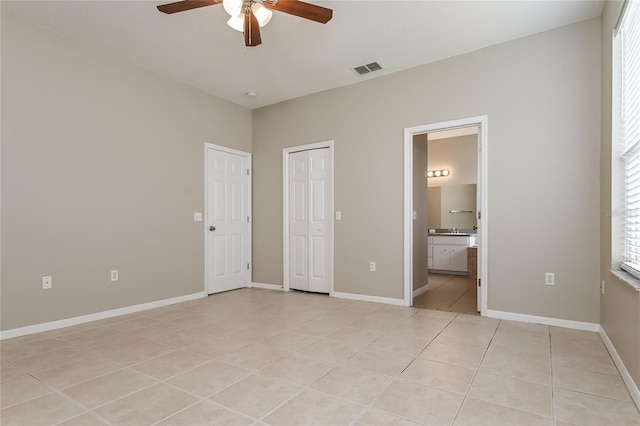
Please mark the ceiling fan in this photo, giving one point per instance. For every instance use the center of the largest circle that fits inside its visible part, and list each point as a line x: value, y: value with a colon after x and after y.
x: 249, y: 15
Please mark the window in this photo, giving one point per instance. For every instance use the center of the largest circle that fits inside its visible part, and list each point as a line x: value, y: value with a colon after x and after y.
x: 629, y: 131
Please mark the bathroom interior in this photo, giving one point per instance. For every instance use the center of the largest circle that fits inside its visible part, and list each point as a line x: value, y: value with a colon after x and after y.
x: 445, y: 220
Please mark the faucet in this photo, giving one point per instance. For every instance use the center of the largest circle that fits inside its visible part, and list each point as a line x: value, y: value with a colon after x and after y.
x: 454, y: 230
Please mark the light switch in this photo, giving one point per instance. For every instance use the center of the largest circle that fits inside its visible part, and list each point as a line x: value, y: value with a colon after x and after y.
x: 47, y: 282
x: 197, y: 217
x: 338, y: 215
x: 415, y: 215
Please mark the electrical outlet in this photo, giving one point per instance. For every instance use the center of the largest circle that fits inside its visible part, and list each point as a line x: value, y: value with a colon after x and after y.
x: 372, y: 266
x: 550, y: 278
x: 197, y: 217
x: 114, y: 275
x: 47, y: 282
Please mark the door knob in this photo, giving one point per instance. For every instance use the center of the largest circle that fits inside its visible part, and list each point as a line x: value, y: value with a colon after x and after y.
x: 212, y: 228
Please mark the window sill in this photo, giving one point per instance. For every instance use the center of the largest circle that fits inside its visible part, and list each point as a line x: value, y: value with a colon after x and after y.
x: 627, y: 278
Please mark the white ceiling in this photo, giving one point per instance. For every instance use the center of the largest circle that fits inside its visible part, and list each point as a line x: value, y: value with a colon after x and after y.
x: 297, y: 57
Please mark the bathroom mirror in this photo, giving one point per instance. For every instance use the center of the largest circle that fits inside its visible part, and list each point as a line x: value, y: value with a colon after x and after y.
x: 452, y: 206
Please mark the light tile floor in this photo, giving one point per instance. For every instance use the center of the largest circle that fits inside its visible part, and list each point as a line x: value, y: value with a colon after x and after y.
x: 452, y: 293
x: 256, y: 357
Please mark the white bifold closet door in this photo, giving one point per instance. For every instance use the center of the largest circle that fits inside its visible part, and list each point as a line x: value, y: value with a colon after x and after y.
x: 310, y: 220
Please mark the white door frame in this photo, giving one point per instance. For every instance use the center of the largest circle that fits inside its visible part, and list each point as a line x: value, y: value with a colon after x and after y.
x: 285, y: 209
x: 207, y: 250
x: 482, y: 123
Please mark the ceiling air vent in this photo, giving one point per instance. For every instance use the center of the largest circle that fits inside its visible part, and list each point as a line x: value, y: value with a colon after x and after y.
x: 366, y: 69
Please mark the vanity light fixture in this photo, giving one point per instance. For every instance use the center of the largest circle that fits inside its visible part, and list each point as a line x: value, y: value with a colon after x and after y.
x: 438, y: 173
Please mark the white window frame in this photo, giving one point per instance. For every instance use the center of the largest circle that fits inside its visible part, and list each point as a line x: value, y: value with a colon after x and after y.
x: 626, y: 138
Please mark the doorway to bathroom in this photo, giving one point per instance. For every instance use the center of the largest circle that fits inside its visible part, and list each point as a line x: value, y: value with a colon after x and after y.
x: 445, y: 216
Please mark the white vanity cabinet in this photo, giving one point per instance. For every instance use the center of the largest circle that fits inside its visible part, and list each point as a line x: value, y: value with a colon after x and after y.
x: 449, y: 253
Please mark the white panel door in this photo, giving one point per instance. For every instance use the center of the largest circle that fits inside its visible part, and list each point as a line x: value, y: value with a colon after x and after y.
x: 227, y: 225
x: 310, y: 220
x: 319, y: 219
x: 299, y: 220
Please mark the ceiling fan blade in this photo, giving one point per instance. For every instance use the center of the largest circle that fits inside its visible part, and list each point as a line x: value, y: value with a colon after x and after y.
x: 302, y: 9
x: 251, y: 29
x: 181, y: 6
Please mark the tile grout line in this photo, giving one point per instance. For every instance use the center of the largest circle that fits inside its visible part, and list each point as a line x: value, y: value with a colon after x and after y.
x: 129, y: 367
x: 552, y: 384
x: 512, y: 378
x: 365, y: 407
x: 53, y: 390
x: 73, y: 401
x: 165, y: 382
x: 205, y: 398
x: 250, y: 326
x: 475, y: 373
x: 397, y: 376
x: 461, y: 296
x: 308, y: 387
x: 125, y: 367
x: 253, y: 372
x: 393, y: 378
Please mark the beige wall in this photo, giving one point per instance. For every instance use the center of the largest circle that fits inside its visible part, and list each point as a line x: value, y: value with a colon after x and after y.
x: 102, y: 168
x: 459, y: 155
x: 420, y: 254
x: 542, y: 97
x: 620, y: 305
x: 461, y: 198
x: 434, y: 195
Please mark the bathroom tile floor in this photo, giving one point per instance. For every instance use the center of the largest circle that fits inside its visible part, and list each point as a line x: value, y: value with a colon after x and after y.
x: 452, y: 293
x: 261, y: 357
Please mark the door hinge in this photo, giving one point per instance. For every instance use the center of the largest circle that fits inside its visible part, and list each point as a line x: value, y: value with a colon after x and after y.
x: 247, y: 219
x: 248, y: 172
x: 247, y: 266
x: 479, y: 282
x: 479, y: 215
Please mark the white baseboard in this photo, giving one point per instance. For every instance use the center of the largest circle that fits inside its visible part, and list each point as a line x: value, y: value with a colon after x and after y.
x: 267, y: 286
x: 421, y: 290
x: 365, y: 298
x: 626, y: 377
x: 557, y: 322
x: 53, y: 325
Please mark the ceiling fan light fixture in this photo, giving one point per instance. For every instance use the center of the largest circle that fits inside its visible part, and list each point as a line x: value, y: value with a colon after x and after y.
x: 232, y: 7
x: 248, y: 16
x: 237, y: 22
x: 262, y: 14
